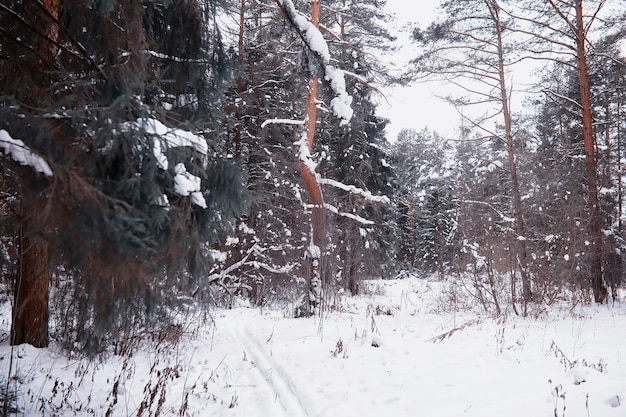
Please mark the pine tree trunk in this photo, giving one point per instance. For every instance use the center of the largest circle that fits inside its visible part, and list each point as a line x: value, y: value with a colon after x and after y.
x: 239, y: 102
x: 349, y: 269
x: 316, y: 199
x: 620, y: 200
x: 520, y: 229
x: 595, y: 218
x: 30, y: 310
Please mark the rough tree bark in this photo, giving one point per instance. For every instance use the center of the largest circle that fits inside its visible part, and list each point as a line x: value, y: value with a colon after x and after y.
x: 30, y: 310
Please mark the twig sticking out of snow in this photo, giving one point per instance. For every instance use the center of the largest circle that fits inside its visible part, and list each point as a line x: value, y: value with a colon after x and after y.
x: 449, y: 333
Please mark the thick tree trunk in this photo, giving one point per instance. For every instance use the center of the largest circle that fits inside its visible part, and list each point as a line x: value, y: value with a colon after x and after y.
x: 318, y: 238
x: 310, y: 181
x: 52, y: 8
x: 30, y: 310
x: 317, y: 244
x: 595, y: 218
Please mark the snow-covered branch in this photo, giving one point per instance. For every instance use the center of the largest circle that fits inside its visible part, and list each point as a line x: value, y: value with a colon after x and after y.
x: 363, y: 81
x: 354, y: 217
x: 554, y: 94
x: 185, y: 183
x: 354, y: 190
x: 172, y: 138
x: 310, y: 34
x: 314, y: 40
x: 254, y: 264
x: 233, y: 267
x: 304, y: 154
x: 341, y: 104
x: 22, y: 154
x: 272, y: 269
x: 282, y: 121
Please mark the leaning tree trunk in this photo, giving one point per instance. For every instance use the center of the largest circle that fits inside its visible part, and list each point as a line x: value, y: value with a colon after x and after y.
x: 595, y: 218
x: 314, y: 191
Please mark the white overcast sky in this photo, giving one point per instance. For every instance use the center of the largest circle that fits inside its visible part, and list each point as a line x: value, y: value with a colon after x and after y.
x: 415, y: 106
x: 419, y: 105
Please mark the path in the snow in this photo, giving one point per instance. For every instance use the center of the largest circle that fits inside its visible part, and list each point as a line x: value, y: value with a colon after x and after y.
x: 292, y: 402
x: 308, y: 368
x: 390, y: 353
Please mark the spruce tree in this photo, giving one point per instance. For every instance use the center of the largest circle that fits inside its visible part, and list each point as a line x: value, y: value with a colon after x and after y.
x: 122, y: 99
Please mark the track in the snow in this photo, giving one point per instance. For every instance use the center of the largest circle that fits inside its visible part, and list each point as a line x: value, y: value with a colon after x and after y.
x: 292, y: 402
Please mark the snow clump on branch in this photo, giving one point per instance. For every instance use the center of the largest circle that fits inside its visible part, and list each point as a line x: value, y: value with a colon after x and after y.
x: 172, y: 138
x: 185, y: 183
x: 22, y: 154
x: 312, y: 36
x: 341, y: 104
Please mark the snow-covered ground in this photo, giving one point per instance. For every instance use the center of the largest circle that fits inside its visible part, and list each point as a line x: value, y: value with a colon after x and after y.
x: 399, y: 350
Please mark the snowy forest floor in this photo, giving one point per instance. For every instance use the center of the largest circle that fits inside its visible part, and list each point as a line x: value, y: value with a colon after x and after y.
x: 398, y: 350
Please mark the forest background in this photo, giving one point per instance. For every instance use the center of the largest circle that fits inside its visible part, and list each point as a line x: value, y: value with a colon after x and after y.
x: 160, y: 157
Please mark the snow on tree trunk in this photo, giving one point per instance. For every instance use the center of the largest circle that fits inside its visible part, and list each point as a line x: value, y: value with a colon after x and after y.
x: 314, y: 191
x: 341, y: 108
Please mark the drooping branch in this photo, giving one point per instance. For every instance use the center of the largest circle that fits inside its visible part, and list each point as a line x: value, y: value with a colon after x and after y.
x: 314, y: 40
x: 22, y: 154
